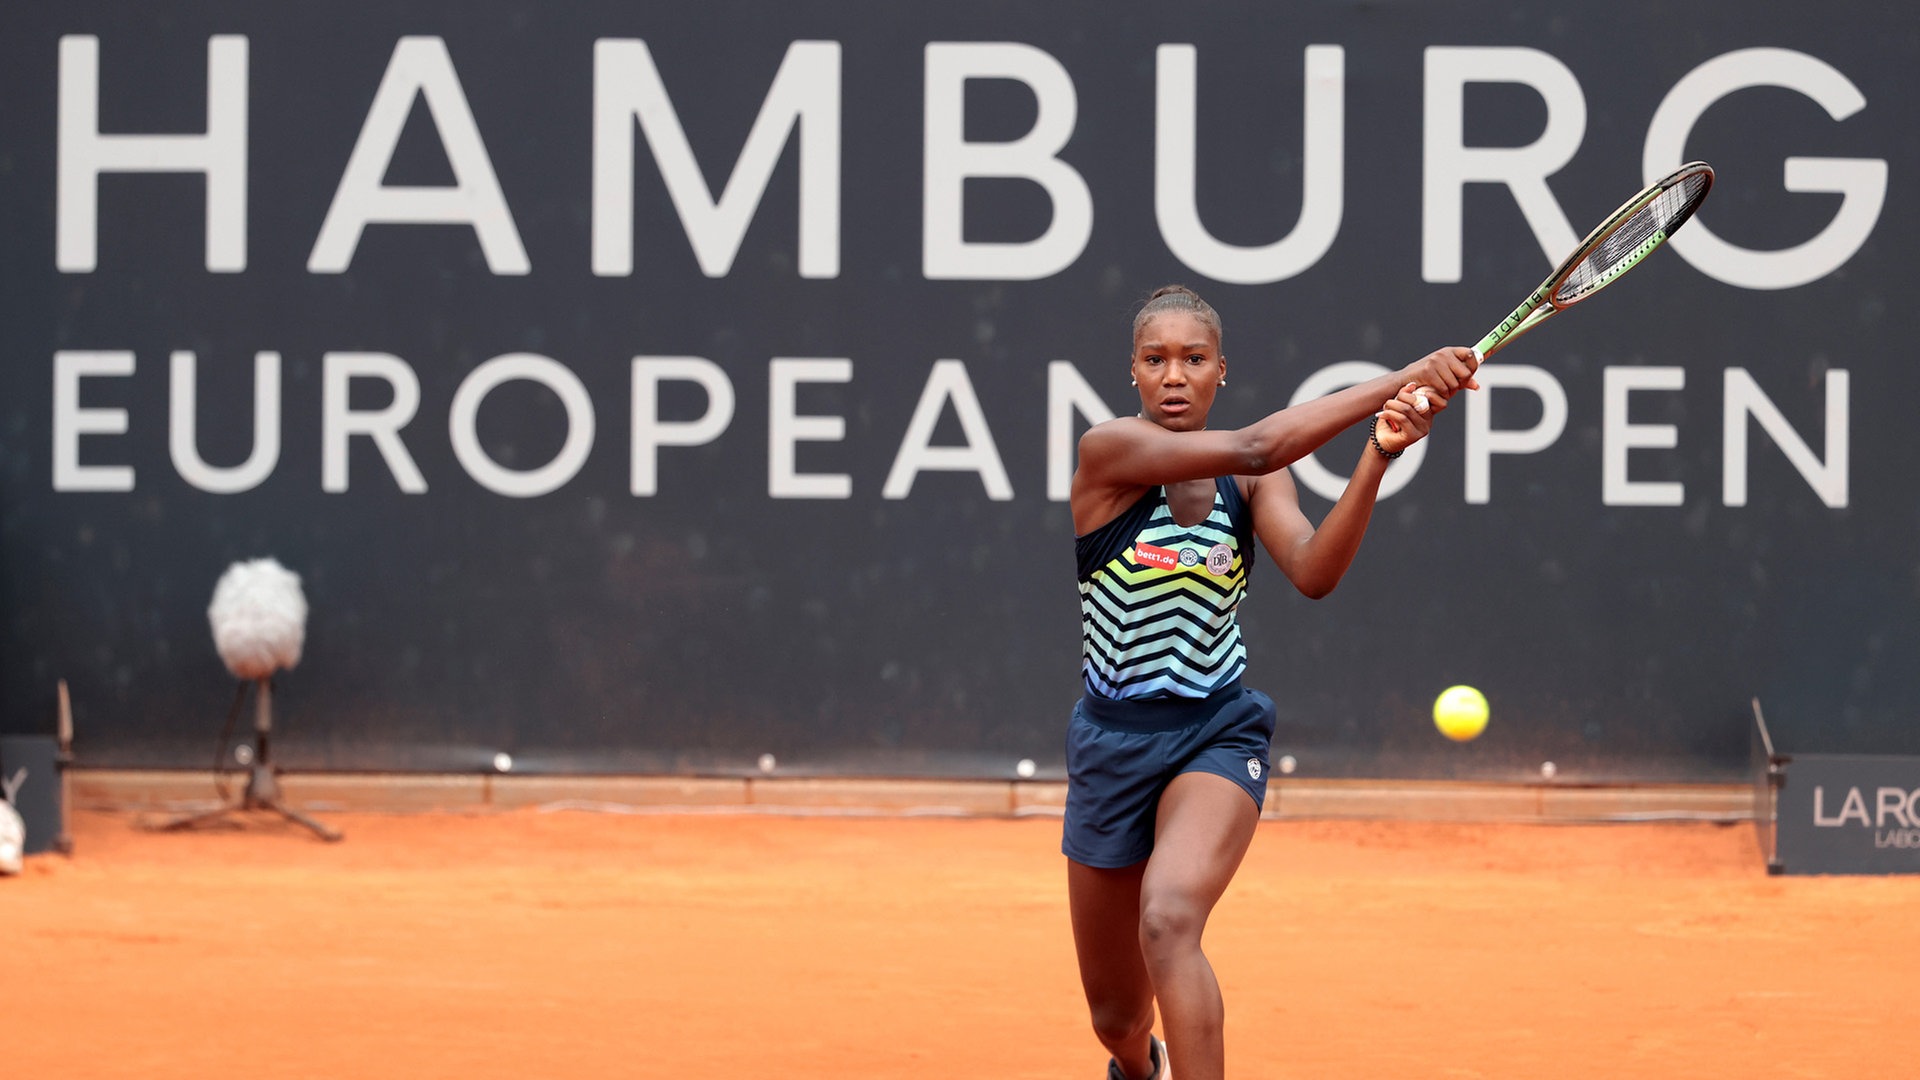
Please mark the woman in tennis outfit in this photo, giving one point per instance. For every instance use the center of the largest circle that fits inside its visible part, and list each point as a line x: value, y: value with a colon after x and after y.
x: 1167, y: 751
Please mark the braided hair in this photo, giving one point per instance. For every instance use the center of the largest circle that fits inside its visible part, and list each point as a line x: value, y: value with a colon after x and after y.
x: 1176, y: 298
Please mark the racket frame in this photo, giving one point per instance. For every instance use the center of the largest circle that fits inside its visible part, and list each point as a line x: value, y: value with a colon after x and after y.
x: 1542, y: 303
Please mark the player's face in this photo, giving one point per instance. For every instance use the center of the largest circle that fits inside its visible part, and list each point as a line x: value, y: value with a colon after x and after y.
x: 1178, y: 366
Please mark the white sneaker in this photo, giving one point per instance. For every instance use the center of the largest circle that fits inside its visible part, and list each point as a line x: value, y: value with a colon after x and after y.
x: 13, y: 838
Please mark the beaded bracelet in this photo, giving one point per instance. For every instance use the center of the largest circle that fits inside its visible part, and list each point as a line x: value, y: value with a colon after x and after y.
x: 1373, y: 436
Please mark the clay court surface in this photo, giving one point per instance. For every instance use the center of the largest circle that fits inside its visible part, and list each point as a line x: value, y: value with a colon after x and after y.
x: 578, y: 944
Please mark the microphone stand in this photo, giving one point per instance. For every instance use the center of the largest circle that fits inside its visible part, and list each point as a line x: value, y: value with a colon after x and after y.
x: 263, y: 786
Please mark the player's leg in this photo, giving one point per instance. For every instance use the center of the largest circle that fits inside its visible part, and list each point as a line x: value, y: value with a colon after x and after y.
x: 1105, y: 905
x: 1205, y: 825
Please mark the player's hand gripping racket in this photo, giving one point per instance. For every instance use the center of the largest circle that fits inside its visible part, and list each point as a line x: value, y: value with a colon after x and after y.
x: 1629, y: 235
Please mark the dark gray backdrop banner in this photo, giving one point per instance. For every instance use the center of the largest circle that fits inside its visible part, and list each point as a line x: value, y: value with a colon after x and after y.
x: 648, y: 388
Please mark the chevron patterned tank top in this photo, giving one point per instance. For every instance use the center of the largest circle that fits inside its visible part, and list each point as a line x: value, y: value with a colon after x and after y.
x: 1157, y: 598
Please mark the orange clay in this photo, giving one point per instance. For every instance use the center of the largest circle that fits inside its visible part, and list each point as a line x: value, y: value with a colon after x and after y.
x: 579, y: 945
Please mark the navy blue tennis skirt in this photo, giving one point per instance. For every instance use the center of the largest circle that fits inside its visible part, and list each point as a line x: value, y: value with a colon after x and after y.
x: 1122, y: 754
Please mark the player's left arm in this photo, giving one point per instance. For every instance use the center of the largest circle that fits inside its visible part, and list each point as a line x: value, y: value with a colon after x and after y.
x: 1315, y: 559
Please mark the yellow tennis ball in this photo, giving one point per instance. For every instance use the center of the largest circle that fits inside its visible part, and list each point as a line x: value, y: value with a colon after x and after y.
x: 1460, y: 712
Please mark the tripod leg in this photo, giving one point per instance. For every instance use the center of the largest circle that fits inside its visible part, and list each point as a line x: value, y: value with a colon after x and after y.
x: 322, y: 831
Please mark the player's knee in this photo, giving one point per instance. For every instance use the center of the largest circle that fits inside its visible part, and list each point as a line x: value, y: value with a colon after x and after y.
x: 1169, y: 923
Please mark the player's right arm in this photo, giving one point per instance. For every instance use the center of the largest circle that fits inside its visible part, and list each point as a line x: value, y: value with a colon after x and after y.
x: 1130, y: 452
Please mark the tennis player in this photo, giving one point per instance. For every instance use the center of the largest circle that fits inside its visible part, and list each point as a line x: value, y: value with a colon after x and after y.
x: 1167, y: 751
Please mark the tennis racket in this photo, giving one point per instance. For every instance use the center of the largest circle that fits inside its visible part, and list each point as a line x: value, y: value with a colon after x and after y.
x: 1619, y: 244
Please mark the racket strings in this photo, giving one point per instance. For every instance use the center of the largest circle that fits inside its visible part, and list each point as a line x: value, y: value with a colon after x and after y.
x: 1636, y: 237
